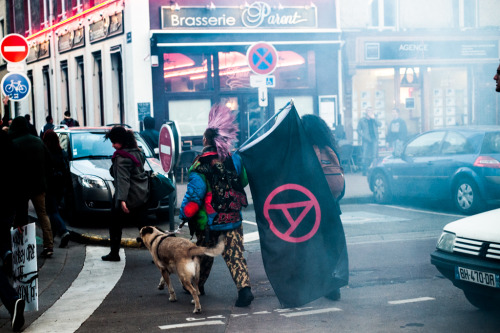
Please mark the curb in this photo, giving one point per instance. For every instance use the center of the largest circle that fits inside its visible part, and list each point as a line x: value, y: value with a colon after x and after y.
x: 102, y: 241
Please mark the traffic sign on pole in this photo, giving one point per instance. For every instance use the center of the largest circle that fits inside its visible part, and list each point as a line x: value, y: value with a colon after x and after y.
x: 16, y: 85
x: 167, y: 147
x: 262, y: 58
x: 14, y: 48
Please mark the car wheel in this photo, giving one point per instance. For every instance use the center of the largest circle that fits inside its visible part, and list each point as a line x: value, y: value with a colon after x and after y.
x: 466, y: 197
x: 480, y: 301
x: 381, y: 190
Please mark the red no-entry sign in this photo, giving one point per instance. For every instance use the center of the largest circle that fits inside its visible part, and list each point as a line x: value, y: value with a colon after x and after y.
x: 167, y: 147
x: 14, y: 48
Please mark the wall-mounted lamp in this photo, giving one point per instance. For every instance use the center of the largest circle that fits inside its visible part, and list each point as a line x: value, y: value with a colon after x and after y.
x: 211, y: 6
x: 101, y: 14
x: 280, y: 6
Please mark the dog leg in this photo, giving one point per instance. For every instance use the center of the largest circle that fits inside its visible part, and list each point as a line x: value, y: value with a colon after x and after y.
x: 161, y: 285
x: 194, y: 292
x: 171, y: 291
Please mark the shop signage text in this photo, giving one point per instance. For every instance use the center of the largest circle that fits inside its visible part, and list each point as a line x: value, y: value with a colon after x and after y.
x: 256, y: 15
x: 427, y: 50
x: 106, y: 27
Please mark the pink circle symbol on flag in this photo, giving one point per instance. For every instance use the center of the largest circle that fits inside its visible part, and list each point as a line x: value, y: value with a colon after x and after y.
x: 14, y: 48
x: 285, y: 208
x: 262, y: 58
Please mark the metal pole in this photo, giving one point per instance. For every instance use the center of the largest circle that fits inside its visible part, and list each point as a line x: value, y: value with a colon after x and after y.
x: 171, y: 205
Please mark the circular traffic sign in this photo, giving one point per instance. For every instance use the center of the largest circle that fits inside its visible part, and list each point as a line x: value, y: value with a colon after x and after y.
x: 16, y: 85
x: 166, y: 147
x: 14, y: 48
x: 262, y: 58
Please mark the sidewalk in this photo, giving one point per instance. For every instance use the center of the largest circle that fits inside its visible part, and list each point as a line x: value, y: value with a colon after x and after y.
x: 357, y: 191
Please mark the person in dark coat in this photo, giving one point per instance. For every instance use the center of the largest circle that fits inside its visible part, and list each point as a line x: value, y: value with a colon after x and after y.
x: 32, y: 161
x: 131, y: 187
x: 31, y: 127
x: 68, y: 121
x: 368, y: 134
x: 48, y: 126
x: 150, y: 135
x: 58, y: 182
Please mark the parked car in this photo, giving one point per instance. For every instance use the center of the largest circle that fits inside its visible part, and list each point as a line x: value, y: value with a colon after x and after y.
x: 456, y: 163
x: 90, y: 159
x: 468, y: 254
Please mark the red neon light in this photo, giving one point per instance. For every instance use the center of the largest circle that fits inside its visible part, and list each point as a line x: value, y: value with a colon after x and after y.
x: 72, y: 18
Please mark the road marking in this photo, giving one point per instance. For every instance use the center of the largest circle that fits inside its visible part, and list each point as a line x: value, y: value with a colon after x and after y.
x: 412, y: 300
x: 419, y: 211
x: 68, y: 314
x: 204, y: 323
x: 310, y: 312
x: 249, y: 222
x: 250, y: 237
x: 367, y: 217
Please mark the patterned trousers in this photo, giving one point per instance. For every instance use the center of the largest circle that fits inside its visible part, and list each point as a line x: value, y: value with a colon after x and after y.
x: 232, y: 254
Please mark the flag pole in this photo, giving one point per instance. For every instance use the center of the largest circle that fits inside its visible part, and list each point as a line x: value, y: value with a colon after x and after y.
x: 290, y: 103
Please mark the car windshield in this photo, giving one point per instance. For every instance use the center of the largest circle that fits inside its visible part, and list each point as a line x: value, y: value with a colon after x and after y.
x: 93, y: 145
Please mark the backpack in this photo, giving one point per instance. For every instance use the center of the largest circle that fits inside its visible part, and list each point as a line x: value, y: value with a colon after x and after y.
x: 228, y: 195
x: 334, y: 173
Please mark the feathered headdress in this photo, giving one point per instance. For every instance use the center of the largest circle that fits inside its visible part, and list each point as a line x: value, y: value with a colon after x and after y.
x: 221, y: 120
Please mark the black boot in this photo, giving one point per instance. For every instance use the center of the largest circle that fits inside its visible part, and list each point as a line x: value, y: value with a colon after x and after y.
x: 111, y: 257
x: 245, y: 297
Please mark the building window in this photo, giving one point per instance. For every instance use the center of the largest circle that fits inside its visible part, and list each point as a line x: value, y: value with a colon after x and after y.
x: 187, y: 72
x: 467, y: 13
x: 384, y: 13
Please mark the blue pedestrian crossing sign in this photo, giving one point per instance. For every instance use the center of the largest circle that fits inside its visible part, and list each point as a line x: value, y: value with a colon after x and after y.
x: 16, y: 85
x: 262, y: 58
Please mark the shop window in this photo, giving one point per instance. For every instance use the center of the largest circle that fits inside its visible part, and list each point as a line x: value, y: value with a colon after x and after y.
x: 80, y: 90
x: 191, y: 115
x: 303, y: 104
x: 187, y: 72
x: 467, y: 10
x: 64, y: 87
x: 293, y: 70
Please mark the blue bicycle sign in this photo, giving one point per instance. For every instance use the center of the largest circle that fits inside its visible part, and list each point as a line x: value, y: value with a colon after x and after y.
x: 16, y: 86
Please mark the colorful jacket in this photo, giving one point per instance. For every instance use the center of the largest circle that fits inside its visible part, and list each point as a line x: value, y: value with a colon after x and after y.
x: 196, y: 206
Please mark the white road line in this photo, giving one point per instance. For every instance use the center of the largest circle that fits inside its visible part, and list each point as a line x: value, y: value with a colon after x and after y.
x: 412, y: 300
x: 68, y: 314
x: 250, y: 237
x: 204, y: 323
x: 249, y: 222
x: 420, y: 211
x: 310, y: 312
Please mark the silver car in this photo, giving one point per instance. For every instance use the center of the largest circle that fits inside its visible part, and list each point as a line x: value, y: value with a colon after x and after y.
x: 90, y: 159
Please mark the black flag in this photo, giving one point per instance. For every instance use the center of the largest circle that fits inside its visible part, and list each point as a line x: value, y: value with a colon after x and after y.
x: 301, y: 235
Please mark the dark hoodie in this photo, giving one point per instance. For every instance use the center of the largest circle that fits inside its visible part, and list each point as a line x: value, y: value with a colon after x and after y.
x: 32, y: 158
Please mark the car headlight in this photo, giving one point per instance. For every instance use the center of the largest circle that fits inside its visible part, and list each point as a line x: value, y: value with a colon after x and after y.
x: 90, y: 181
x: 446, y: 242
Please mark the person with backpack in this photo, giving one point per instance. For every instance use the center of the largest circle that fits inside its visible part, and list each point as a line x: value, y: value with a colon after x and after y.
x: 68, y: 121
x: 325, y: 147
x: 214, y: 198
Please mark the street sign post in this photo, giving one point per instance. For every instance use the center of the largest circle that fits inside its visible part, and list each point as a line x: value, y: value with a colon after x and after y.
x: 14, y: 48
x: 268, y: 81
x: 263, y: 96
x: 262, y: 58
x: 16, y: 85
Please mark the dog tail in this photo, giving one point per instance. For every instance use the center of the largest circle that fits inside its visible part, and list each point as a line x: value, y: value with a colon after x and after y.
x: 208, y: 251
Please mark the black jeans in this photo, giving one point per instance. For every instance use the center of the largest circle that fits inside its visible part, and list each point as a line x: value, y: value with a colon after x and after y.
x: 119, y: 218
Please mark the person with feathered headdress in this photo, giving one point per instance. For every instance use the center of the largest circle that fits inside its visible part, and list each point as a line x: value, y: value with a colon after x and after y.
x: 214, y: 198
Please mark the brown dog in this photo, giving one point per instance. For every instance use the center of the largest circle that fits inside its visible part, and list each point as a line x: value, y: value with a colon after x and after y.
x: 175, y: 255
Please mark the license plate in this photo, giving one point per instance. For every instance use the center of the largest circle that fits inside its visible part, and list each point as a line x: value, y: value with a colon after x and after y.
x: 483, y: 278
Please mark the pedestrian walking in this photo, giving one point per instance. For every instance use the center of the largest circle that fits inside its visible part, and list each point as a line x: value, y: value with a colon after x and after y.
x: 12, y: 301
x: 33, y: 163
x: 214, y: 199
x: 131, y: 187
x: 325, y: 146
x: 497, y: 79
x: 48, y: 126
x: 368, y: 134
x: 150, y: 135
x: 68, y: 121
x: 31, y: 127
x: 397, y: 132
x: 57, y: 185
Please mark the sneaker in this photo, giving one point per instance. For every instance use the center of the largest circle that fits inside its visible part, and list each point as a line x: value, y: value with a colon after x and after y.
x: 334, y: 295
x: 47, y: 253
x: 18, y: 316
x: 64, y: 240
x: 245, y: 297
x: 111, y: 257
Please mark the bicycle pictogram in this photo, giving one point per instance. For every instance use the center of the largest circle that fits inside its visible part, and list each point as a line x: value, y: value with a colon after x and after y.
x: 16, y: 86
